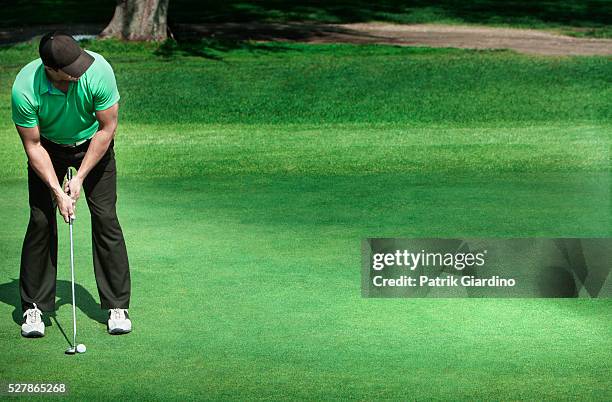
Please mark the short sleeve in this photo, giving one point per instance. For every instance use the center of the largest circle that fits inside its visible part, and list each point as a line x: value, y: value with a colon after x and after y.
x: 24, y: 112
x: 105, y: 92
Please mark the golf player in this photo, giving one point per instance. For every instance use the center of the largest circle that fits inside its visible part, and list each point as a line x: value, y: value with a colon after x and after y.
x: 64, y: 106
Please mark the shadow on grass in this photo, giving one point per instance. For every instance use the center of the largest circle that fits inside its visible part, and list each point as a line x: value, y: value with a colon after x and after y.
x: 211, y: 40
x: 9, y: 294
x: 213, y: 49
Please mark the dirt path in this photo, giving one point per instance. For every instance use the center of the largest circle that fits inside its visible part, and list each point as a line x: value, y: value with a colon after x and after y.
x: 522, y: 40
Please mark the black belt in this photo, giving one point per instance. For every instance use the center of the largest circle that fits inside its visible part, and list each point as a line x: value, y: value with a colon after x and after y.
x: 73, y: 145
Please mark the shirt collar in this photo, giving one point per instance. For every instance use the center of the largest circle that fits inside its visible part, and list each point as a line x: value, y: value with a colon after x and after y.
x: 44, y: 85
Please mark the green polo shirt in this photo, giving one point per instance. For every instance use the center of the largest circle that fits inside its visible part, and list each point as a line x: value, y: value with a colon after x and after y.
x: 64, y: 118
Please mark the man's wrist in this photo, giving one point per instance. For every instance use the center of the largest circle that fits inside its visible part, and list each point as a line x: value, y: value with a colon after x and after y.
x: 57, y: 190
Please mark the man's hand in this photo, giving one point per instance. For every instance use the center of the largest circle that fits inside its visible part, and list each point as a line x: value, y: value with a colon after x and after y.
x: 73, y: 187
x: 65, y: 205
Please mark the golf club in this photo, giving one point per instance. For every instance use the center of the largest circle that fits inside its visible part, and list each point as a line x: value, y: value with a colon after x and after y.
x: 80, y: 348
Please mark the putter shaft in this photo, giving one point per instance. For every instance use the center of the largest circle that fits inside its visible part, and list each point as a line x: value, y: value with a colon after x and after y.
x: 74, y: 327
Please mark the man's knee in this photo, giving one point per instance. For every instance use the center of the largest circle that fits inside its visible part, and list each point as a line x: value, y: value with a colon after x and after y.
x: 41, y: 220
x: 104, y: 219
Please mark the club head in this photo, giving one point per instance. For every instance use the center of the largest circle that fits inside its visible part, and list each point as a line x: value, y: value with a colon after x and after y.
x: 80, y: 348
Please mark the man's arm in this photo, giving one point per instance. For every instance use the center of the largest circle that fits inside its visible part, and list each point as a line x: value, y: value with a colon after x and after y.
x: 41, y: 163
x: 107, y: 120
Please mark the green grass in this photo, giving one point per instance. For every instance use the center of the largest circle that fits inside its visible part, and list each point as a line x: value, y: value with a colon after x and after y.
x: 247, y: 179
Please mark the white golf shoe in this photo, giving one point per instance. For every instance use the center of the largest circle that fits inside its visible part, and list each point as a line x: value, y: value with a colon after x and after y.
x: 33, y: 326
x: 119, y: 321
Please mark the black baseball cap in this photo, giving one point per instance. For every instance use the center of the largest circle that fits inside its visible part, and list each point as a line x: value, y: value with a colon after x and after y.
x: 59, y: 50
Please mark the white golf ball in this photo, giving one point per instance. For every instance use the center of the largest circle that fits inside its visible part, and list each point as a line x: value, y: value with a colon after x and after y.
x: 81, y: 348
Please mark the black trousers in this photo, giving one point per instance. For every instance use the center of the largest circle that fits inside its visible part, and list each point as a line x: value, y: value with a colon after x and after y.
x: 37, y: 279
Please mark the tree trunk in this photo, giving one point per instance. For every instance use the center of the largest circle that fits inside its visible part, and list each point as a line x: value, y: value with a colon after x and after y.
x: 138, y: 20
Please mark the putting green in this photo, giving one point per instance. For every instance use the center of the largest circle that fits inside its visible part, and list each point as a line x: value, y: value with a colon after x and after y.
x: 244, y: 238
